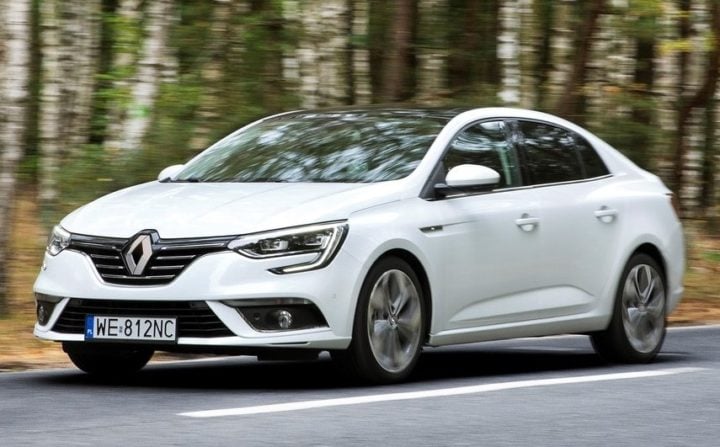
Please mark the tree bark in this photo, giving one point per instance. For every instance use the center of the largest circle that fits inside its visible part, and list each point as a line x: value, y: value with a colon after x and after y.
x: 14, y: 75
x: 361, y: 82
x: 509, y: 52
x: 688, y: 103
x: 572, y: 102
x: 153, y: 65
x: 544, y: 12
x: 151, y: 68
x: 707, y: 193
x: 324, y: 56
x: 395, y: 71
x: 212, y: 74
x: 432, y: 51
x: 70, y: 48
x: 643, y: 110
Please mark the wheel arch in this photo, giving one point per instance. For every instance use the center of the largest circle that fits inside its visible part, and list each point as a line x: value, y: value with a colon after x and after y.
x: 654, y: 252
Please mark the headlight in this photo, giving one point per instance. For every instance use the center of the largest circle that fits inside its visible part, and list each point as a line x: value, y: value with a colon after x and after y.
x: 58, y: 240
x: 323, y: 240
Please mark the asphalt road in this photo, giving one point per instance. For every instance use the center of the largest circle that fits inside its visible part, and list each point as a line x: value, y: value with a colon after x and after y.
x: 539, y: 392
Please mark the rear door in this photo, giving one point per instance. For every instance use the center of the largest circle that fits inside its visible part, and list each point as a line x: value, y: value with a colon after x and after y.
x: 579, y: 211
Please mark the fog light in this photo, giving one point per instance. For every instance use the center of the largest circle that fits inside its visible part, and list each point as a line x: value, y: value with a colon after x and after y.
x: 45, y: 304
x: 279, y: 314
x: 43, y: 313
x: 284, y: 319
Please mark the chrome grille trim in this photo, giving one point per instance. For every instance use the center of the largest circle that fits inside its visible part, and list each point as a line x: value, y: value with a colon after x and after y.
x: 170, y: 257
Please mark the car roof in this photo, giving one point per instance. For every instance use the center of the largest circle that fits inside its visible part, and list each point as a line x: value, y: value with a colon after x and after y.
x: 444, y: 113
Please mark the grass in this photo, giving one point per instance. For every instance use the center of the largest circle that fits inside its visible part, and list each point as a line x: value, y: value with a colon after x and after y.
x: 19, y: 349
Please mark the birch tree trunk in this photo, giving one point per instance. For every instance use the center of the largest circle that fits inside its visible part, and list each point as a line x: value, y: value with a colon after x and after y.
x: 432, y: 51
x: 70, y: 48
x: 690, y: 102
x: 14, y: 75
x: 324, y: 59
x: 126, y: 36
x: 509, y: 52
x: 152, y: 67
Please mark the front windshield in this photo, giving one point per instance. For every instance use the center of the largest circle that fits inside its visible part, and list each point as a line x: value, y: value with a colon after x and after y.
x: 348, y: 146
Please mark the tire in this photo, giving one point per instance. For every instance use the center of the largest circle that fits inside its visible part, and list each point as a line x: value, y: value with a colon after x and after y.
x: 388, y: 333
x: 108, y: 361
x: 637, y: 328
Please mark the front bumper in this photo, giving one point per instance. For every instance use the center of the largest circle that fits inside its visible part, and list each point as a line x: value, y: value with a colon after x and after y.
x: 212, y: 279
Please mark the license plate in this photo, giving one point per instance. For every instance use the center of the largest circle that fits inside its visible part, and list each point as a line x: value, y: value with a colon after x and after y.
x: 130, y: 328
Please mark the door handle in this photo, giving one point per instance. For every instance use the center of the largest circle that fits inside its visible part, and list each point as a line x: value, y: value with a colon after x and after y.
x: 526, y: 222
x: 605, y: 214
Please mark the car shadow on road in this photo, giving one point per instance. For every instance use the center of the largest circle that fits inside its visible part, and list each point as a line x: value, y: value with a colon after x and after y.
x: 475, y: 363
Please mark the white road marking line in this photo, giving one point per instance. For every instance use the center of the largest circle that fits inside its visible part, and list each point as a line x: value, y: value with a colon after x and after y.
x: 443, y: 392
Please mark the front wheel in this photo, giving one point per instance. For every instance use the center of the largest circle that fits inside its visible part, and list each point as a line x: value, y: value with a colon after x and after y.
x: 106, y: 360
x: 637, y: 329
x: 389, y: 326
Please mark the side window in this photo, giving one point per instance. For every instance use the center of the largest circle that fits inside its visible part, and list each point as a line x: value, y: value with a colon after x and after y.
x: 550, y: 153
x: 594, y: 166
x: 485, y: 144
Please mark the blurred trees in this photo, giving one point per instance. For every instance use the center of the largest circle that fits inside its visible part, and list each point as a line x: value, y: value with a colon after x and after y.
x: 15, y: 31
x: 101, y: 94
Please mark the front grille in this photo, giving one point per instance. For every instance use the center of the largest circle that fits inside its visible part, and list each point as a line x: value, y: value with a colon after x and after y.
x: 169, y: 257
x: 194, y: 318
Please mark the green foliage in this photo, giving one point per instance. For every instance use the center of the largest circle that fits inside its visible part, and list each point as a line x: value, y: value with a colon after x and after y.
x: 84, y: 175
x: 642, y: 142
x: 712, y: 256
x: 641, y: 19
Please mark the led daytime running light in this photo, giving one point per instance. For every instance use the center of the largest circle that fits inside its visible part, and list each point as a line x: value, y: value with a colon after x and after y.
x: 321, y: 239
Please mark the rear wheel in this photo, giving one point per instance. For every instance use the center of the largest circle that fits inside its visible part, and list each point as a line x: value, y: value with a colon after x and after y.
x: 108, y: 361
x: 389, y: 325
x: 637, y: 329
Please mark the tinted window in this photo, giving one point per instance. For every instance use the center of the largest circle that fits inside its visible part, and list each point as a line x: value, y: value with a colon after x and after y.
x: 550, y: 153
x: 594, y: 166
x: 485, y: 144
x: 359, y: 146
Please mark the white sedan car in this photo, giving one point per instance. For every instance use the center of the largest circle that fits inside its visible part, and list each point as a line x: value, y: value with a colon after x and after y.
x: 370, y: 233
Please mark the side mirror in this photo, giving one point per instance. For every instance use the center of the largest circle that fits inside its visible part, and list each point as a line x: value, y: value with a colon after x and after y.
x: 169, y: 172
x: 466, y: 178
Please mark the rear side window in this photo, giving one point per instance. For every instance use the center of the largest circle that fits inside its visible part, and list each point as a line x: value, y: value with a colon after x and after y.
x: 594, y: 166
x: 553, y: 154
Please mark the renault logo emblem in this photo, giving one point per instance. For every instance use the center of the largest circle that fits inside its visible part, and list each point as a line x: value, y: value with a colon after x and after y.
x: 138, y: 254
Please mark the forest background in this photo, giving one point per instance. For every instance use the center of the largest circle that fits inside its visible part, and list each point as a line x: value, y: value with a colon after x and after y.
x: 96, y: 95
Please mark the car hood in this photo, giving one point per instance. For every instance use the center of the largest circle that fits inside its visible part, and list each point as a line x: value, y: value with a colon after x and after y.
x: 179, y: 210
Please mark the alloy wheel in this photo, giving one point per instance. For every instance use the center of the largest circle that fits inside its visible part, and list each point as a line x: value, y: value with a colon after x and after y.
x: 394, y: 322
x: 643, y: 308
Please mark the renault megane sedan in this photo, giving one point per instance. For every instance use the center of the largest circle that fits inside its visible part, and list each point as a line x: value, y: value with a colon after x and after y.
x: 370, y: 233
